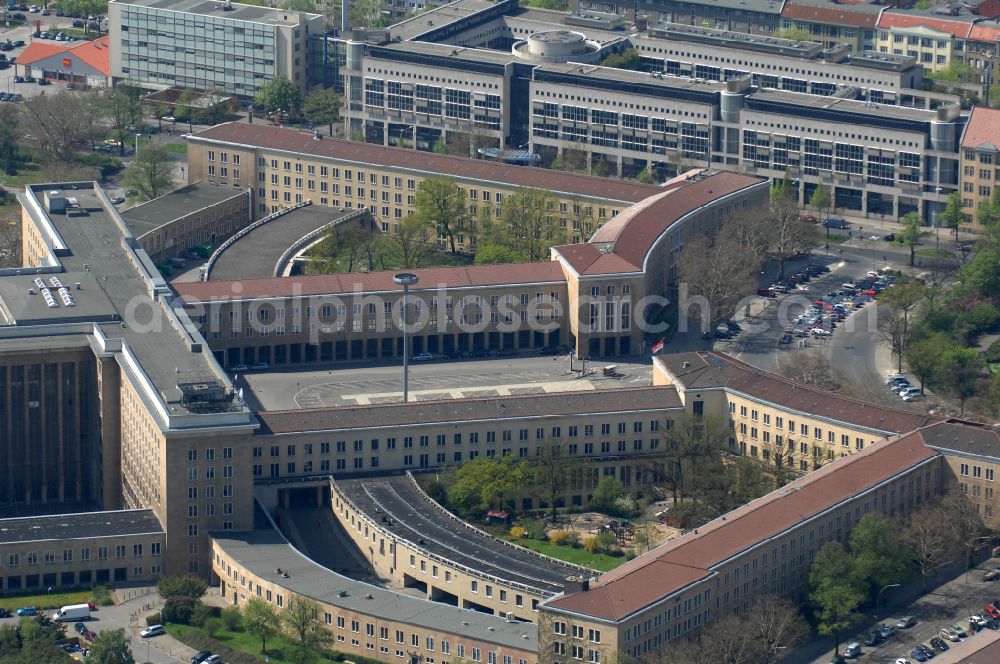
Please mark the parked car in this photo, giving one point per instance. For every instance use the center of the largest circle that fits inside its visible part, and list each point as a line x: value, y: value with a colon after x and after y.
x: 151, y: 631
x: 201, y: 656
x: 785, y: 339
x: 889, y: 237
x: 238, y: 367
x: 886, y: 630
x: 948, y: 634
x: 938, y: 644
x: 960, y: 631
x: 853, y: 650
x: 79, y: 628
x: 118, y: 200
x: 422, y: 357
x: 873, y: 639
x: 27, y: 610
x: 19, y: 79
x: 78, y: 24
x: 44, y: 81
x: 260, y: 366
x: 919, y: 655
x: 213, y: 659
x: 4, y: 613
x: 906, y: 622
x: 834, y: 222
x: 169, y: 118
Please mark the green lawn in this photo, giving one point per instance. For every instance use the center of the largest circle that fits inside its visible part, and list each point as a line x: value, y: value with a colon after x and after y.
x: 26, y: 174
x: 599, y: 561
x: 935, y: 253
x: 391, y: 262
x: 176, y: 148
x: 46, y: 600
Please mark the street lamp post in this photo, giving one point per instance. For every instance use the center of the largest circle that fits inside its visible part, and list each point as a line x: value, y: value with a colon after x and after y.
x: 405, y: 279
x: 878, y: 600
x: 137, y: 145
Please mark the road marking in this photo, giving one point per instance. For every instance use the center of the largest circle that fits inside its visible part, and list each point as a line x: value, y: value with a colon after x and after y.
x: 469, y: 392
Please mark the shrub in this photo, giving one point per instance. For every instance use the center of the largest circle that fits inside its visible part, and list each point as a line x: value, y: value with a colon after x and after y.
x: 200, y: 615
x: 154, y: 619
x: 179, y: 609
x: 232, y: 618
x: 212, y: 626
x: 559, y: 537
x: 201, y: 641
x: 534, y: 529
x: 608, y: 490
x: 187, y: 585
x: 993, y: 352
x: 573, y: 540
x: 607, y: 541
x: 591, y: 544
x: 102, y: 596
x: 517, y: 532
x: 630, y: 555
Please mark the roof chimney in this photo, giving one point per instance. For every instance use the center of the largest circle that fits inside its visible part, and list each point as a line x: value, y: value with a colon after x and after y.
x: 576, y: 584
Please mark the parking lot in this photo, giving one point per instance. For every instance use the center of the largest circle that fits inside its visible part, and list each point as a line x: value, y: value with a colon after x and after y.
x: 950, y: 604
x: 788, y: 320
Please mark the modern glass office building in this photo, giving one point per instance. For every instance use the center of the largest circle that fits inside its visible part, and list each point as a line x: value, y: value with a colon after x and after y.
x: 208, y: 45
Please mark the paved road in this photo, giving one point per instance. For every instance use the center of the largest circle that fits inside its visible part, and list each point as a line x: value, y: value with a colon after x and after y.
x: 357, y: 383
x: 950, y: 603
x: 417, y: 519
x: 130, y: 614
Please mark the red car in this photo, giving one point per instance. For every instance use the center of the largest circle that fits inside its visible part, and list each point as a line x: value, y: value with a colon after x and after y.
x: 991, y: 611
x: 93, y: 607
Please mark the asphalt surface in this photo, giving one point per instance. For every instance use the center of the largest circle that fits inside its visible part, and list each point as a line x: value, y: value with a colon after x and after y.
x: 948, y: 604
x: 357, y: 383
x: 417, y: 519
x: 24, y: 33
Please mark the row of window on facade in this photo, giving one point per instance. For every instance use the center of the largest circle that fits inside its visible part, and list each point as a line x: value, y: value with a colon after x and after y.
x: 52, y: 556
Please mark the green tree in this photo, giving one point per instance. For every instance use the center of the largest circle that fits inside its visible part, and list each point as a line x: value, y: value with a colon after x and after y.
x: 184, y: 106
x: 485, y: 483
x: 607, y: 492
x: 111, y: 647
x: 529, y: 223
x: 122, y: 108
x: 959, y: 373
x: 923, y: 357
x: 878, y: 556
x: 410, y: 242
x: 627, y: 59
x: 834, y: 591
x: 795, y: 34
x: 187, y: 585
x: 646, y: 176
x: 96, y: 8
x: 279, y: 93
x: 820, y: 201
x: 957, y: 71
x: 550, y: 473
x: 440, y: 203
x: 913, y: 231
x: 10, y: 134
x: 491, y: 254
x: 982, y: 274
x: 988, y: 213
x: 308, y: 636
x: 261, y: 619
x: 896, y: 327
x: 322, y: 107
x: 151, y: 172
x: 953, y: 216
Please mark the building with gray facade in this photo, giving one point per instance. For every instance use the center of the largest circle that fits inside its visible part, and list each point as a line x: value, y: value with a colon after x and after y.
x: 207, y: 45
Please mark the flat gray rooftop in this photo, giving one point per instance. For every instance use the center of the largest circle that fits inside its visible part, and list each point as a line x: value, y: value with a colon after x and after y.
x: 256, y: 254
x: 74, y: 526
x: 120, y: 292
x: 730, y: 39
x: 418, y: 519
x: 449, y: 51
x: 264, y: 551
x: 449, y: 13
x: 214, y: 8
x: 597, y: 72
x: 175, y: 204
x: 845, y: 105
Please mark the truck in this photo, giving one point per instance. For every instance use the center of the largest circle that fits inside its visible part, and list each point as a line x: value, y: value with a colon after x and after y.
x: 72, y: 613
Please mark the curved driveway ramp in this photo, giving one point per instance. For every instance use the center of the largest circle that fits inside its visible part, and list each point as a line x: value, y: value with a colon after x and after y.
x: 418, y: 519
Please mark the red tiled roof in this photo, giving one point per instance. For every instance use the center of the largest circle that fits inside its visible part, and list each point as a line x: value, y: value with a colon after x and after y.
x: 293, y: 140
x: 849, y: 15
x: 585, y: 258
x: 372, y: 282
x: 985, y: 32
x: 39, y: 50
x: 676, y: 564
x: 989, y: 8
x: 709, y: 369
x: 891, y: 19
x: 95, y: 53
x: 634, y: 230
x: 982, y: 129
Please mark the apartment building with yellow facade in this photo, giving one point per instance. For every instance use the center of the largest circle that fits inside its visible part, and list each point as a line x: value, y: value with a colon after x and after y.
x: 980, y: 161
x: 285, y: 166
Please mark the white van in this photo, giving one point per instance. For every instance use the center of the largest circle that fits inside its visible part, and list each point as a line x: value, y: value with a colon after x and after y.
x: 72, y: 613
